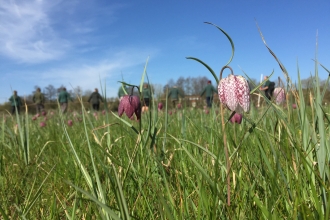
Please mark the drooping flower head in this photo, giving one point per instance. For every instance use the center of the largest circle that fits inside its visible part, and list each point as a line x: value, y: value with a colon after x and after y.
x: 42, y: 124
x: 70, y: 123
x: 279, y: 94
x: 160, y: 106
x: 130, y: 104
x: 179, y: 106
x: 294, y: 106
x: 237, y: 118
x: 234, y: 92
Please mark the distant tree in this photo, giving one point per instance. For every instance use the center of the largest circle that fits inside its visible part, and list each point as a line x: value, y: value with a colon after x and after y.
x: 157, y: 90
x: 198, y: 84
x: 88, y: 92
x: 187, y: 89
x: 50, y: 92
x: 308, y: 83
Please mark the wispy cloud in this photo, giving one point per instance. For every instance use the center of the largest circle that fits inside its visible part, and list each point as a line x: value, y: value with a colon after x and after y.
x: 26, y: 32
x: 87, y: 75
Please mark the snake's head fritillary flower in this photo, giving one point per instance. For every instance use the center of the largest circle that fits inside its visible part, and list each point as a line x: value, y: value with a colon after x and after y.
x: 70, y: 123
x: 279, y: 94
x: 38, y: 115
x: 42, y: 124
x: 237, y: 118
x: 44, y: 113
x: 103, y: 112
x: 34, y: 118
x: 234, y: 92
x: 179, y: 105
x: 294, y: 106
x: 130, y: 104
x: 206, y: 111
x: 160, y: 106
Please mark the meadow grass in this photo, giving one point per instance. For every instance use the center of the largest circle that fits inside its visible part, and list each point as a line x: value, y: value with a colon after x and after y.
x: 173, y: 167
x: 170, y: 166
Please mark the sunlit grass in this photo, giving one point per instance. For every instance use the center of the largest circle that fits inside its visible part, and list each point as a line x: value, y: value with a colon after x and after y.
x: 101, y: 168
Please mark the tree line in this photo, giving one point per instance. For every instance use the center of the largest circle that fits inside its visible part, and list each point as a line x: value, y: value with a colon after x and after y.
x: 189, y: 86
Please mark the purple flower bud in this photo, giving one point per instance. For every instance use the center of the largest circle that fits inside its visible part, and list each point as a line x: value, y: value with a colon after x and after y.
x: 70, y: 123
x: 103, y: 112
x: 130, y: 105
x: 234, y: 92
x: 160, y: 106
x: 294, y: 106
x: 237, y: 118
x: 38, y: 115
x: 42, y: 124
x: 206, y: 111
x: 44, y: 113
x: 34, y: 118
x: 279, y: 94
x: 179, y: 105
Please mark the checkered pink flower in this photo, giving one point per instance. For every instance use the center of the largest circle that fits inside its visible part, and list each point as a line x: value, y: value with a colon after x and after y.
x: 130, y: 105
x: 279, y: 94
x: 234, y: 92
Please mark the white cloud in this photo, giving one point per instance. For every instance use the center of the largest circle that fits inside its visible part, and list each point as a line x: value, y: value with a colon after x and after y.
x: 26, y: 32
x: 88, y: 75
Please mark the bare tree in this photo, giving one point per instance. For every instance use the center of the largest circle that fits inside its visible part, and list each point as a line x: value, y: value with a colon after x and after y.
x: 308, y: 83
x: 50, y: 92
x: 77, y: 91
x: 157, y: 90
x: 198, y: 84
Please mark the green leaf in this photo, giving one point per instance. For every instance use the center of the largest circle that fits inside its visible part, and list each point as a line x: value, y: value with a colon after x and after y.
x: 230, y: 40
x: 209, y: 68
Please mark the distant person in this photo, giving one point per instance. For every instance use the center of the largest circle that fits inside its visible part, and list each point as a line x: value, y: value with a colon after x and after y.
x: 209, y: 90
x: 174, y: 95
x: 268, y: 88
x: 95, y: 99
x: 121, y: 92
x: 16, y: 103
x: 63, y: 99
x: 146, y: 95
x: 39, y: 99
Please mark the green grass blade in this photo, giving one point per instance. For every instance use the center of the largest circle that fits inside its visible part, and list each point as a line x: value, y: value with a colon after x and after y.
x: 230, y: 40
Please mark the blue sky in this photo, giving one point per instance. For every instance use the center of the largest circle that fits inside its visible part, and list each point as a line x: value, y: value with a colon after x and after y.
x: 78, y: 43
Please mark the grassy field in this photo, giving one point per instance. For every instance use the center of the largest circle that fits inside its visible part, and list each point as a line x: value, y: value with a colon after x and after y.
x: 171, y: 164
x: 167, y: 166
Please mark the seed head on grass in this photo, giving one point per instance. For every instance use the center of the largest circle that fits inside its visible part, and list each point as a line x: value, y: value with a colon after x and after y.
x: 130, y: 104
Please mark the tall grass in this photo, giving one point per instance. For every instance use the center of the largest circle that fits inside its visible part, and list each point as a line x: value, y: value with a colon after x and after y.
x: 169, y: 166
